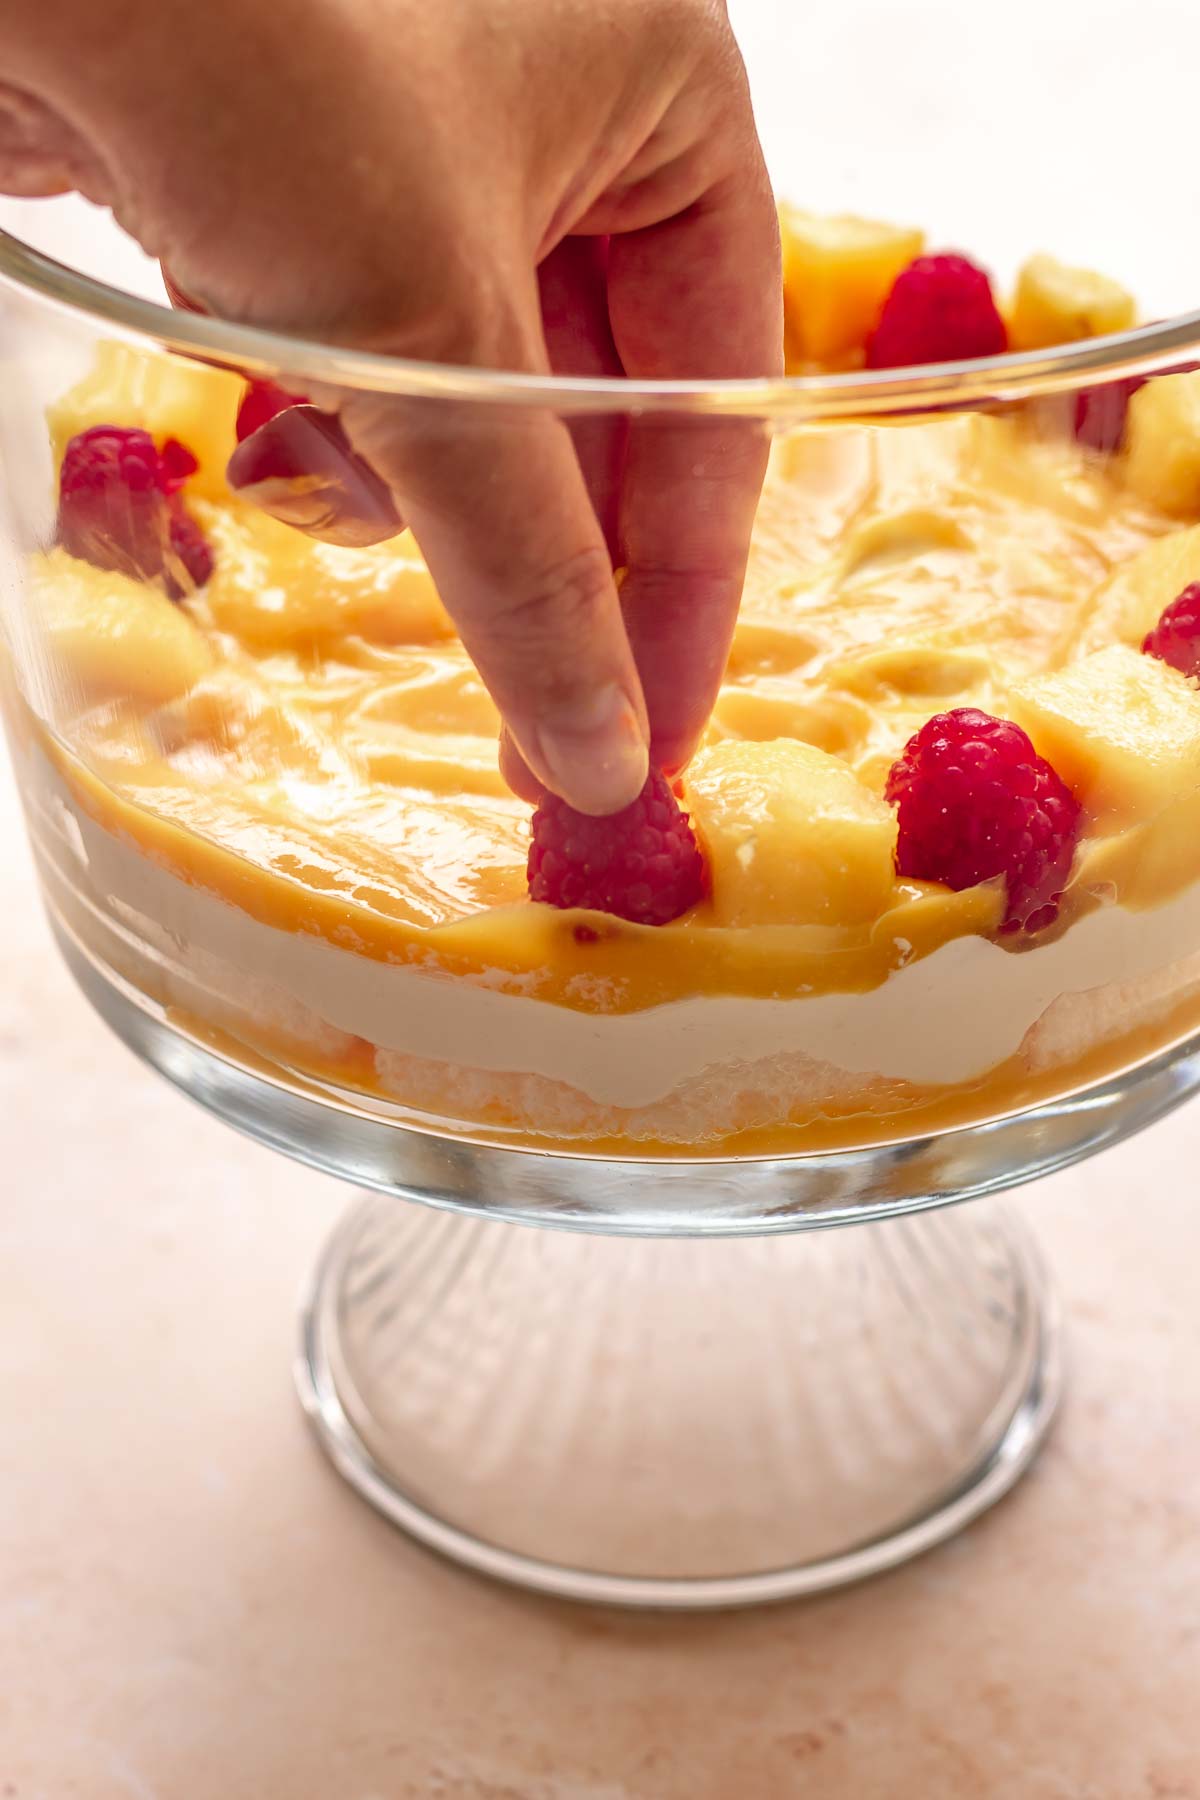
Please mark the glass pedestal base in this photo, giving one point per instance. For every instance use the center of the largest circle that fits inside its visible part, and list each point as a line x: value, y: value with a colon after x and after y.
x: 676, y: 1420
x: 679, y: 1422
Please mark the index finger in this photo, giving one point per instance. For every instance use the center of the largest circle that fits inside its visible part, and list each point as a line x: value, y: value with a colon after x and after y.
x: 498, y: 505
x: 699, y: 296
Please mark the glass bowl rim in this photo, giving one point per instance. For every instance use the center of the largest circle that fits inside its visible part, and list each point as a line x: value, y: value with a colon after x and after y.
x: 856, y: 396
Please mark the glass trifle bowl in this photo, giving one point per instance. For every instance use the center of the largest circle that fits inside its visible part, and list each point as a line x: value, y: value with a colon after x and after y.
x: 260, y: 779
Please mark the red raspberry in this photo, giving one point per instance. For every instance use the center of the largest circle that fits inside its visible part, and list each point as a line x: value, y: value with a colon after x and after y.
x: 189, y: 547
x: 262, y: 402
x: 119, y: 507
x: 940, y: 309
x: 1176, y: 637
x: 175, y: 464
x: 1101, y: 414
x: 640, y: 864
x: 977, y: 801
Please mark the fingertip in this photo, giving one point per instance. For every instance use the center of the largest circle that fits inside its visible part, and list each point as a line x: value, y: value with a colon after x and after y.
x: 517, y: 773
x: 300, y: 467
x: 595, y: 754
x: 672, y: 752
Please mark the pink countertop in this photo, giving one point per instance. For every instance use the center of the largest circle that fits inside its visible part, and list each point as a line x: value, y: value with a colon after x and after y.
x: 194, y: 1608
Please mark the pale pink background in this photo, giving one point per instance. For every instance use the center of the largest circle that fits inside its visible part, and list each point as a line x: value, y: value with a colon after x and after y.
x: 193, y: 1608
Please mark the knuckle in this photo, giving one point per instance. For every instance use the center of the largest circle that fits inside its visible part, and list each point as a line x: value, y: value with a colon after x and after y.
x: 700, y: 26
x: 430, y: 302
x: 412, y: 318
x: 559, y: 610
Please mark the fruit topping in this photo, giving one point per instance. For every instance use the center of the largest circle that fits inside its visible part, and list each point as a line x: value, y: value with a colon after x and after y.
x: 1101, y: 414
x: 790, y: 835
x: 975, y: 802
x: 640, y: 864
x: 1162, y: 462
x: 1058, y: 304
x: 1122, y: 729
x: 120, y: 507
x: 1176, y: 637
x: 940, y: 309
x: 837, y: 273
x: 262, y: 401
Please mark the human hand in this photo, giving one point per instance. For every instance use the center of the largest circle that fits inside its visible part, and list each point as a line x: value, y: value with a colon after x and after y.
x: 529, y: 185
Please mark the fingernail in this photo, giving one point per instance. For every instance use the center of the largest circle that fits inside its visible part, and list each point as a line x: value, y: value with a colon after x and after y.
x: 595, y: 757
x: 299, y: 466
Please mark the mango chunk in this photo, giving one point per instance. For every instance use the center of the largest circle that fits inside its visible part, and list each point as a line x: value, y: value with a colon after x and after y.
x: 1162, y: 461
x: 167, y: 397
x: 837, y: 273
x: 104, y: 637
x: 1122, y: 729
x: 791, y: 835
x: 1056, y: 304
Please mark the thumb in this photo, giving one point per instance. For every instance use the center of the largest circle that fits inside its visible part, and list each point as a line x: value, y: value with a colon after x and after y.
x: 294, y: 462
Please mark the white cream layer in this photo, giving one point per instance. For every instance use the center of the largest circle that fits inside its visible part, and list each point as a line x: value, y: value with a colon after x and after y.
x: 949, y: 1018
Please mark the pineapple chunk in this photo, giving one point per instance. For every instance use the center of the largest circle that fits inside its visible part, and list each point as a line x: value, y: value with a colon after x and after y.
x: 1133, y: 599
x: 1162, y: 462
x: 1122, y: 729
x: 1163, y: 434
x: 105, y: 637
x: 1055, y: 304
x: 791, y: 834
x: 837, y: 273
x: 165, y: 396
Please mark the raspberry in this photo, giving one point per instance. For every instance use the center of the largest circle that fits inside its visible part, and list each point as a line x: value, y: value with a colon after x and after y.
x: 175, y: 464
x: 119, y: 507
x: 304, y: 473
x: 977, y: 801
x: 640, y: 864
x: 189, y: 547
x: 940, y: 309
x: 1101, y: 413
x: 1176, y: 637
x: 262, y: 402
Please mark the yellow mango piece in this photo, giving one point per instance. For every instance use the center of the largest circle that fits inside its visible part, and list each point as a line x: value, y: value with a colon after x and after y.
x: 791, y: 835
x: 1162, y: 461
x: 1056, y: 304
x: 167, y: 397
x: 1132, y: 600
x: 105, y: 637
x: 1122, y: 729
x: 837, y: 273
